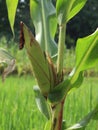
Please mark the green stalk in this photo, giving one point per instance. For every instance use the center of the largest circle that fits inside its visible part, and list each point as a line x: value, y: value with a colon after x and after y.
x: 57, y: 116
x: 45, y: 27
x: 57, y: 110
x: 61, y: 47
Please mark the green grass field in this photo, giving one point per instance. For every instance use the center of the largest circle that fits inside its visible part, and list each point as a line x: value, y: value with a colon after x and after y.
x: 18, y: 109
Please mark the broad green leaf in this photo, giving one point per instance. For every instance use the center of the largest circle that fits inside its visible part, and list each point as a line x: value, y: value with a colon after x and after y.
x: 41, y: 67
x: 86, y: 58
x: 87, y: 52
x: 11, y: 7
x: 81, y: 125
x: 8, y: 60
x: 43, y: 15
x: 66, y: 9
x: 41, y: 102
x: 76, y: 7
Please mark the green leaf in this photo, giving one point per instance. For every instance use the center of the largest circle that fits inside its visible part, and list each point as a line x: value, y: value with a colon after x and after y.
x: 66, y: 9
x: 78, y: 81
x: 6, y: 58
x: 76, y: 7
x: 41, y: 68
x: 84, y: 122
x: 41, y: 102
x: 43, y: 15
x: 86, y: 58
x: 11, y: 7
x: 58, y: 93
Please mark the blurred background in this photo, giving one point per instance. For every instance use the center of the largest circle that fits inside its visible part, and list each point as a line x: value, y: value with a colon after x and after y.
x: 83, y: 24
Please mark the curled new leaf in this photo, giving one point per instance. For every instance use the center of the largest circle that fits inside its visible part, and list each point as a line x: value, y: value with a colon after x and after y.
x: 41, y: 102
x: 42, y: 69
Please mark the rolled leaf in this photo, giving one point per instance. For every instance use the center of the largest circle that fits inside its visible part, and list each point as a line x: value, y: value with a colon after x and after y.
x: 41, y: 67
x: 11, y: 7
x: 43, y: 15
x: 41, y: 102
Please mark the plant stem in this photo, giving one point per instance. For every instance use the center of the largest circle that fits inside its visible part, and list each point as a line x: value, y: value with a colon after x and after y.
x: 57, y: 110
x: 61, y: 46
x: 44, y: 19
x: 57, y: 116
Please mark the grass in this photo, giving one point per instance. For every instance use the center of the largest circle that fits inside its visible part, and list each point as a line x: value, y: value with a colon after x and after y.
x: 81, y: 101
x: 18, y: 109
x: 17, y: 105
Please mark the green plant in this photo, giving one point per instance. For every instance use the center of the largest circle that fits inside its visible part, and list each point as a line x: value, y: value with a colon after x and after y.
x: 53, y: 87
